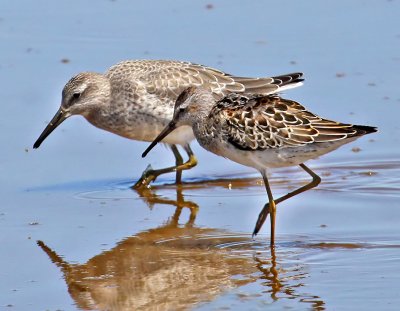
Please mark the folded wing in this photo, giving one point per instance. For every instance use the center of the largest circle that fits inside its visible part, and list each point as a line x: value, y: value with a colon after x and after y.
x: 167, y: 79
x: 263, y: 122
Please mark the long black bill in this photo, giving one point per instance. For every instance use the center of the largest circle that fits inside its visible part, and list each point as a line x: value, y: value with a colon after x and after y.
x: 59, y: 117
x: 169, y: 128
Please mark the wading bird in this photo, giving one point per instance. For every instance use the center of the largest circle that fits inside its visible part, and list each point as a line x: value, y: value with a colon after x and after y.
x: 260, y: 131
x: 135, y: 99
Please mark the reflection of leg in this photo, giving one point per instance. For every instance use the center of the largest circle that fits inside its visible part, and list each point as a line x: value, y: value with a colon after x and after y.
x: 271, y: 273
x: 180, y: 204
x: 150, y: 175
x: 287, y: 281
x: 266, y: 210
x: 193, y: 207
x: 272, y: 206
x: 152, y: 198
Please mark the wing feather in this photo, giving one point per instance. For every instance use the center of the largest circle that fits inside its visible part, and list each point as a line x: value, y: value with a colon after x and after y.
x: 258, y: 122
x: 165, y: 78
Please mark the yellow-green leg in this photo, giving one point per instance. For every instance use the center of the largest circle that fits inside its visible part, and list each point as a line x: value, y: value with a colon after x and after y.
x: 150, y: 175
x: 272, y: 207
x: 266, y: 210
x: 178, y: 162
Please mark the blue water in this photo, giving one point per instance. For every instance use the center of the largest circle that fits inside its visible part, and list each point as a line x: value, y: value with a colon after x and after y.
x: 73, y: 193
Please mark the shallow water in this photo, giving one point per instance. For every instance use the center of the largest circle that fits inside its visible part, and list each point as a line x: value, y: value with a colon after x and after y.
x: 74, y: 235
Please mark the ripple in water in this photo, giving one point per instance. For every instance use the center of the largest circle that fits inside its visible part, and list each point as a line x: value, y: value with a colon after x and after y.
x: 370, y: 177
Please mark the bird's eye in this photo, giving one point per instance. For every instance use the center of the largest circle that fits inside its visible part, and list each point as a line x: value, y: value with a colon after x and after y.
x: 76, y: 95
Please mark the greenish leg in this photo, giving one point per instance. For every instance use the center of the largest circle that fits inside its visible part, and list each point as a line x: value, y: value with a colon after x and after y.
x: 150, y: 175
x: 192, y: 161
x: 266, y: 210
x: 272, y: 207
x: 178, y: 162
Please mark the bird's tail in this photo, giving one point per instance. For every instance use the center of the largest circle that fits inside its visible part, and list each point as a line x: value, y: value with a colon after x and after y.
x: 364, y: 129
x: 266, y: 86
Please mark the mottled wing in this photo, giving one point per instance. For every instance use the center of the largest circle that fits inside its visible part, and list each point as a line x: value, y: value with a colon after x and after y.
x: 167, y: 79
x: 171, y: 78
x: 263, y: 122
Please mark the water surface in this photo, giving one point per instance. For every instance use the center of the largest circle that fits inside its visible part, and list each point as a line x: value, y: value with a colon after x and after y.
x: 74, y: 235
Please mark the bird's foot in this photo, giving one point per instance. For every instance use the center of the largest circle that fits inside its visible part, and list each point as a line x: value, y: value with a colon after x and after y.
x: 147, y: 177
x: 261, y: 219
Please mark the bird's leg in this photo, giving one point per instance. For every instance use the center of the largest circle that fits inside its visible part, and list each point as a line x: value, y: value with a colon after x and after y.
x: 150, y: 175
x: 178, y: 162
x: 272, y: 207
x: 264, y: 213
x: 192, y: 161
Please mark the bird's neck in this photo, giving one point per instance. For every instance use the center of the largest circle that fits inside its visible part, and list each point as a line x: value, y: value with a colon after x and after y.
x: 204, y: 102
x: 101, y: 114
x: 200, y: 114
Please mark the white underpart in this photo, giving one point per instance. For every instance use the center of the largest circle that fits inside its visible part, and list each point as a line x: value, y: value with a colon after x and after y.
x: 275, y: 157
x: 180, y: 136
x: 289, y: 86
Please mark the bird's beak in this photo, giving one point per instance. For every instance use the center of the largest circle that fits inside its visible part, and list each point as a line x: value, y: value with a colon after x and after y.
x: 169, y: 128
x: 59, y: 117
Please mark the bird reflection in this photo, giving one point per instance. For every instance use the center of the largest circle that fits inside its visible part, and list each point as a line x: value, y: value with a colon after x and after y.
x: 279, y: 281
x: 174, y: 267
x: 151, y: 198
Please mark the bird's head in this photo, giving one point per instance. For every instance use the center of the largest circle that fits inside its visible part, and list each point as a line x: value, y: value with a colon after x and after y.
x: 193, y: 103
x: 82, y: 95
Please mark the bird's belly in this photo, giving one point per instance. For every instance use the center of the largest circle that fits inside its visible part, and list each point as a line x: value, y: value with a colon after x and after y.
x: 148, y: 132
x: 180, y: 136
x: 144, y: 128
x: 274, y: 157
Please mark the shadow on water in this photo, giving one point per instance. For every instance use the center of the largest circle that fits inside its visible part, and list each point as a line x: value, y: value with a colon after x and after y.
x: 176, y: 267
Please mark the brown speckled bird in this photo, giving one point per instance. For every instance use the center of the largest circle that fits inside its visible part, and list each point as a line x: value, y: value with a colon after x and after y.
x: 135, y: 99
x: 261, y: 132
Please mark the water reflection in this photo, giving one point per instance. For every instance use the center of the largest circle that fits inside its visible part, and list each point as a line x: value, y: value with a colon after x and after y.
x: 279, y: 281
x: 177, y: 267
x: 366, y: 177
x: 151, y: 198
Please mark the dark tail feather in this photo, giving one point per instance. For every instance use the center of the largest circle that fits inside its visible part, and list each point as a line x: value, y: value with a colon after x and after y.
x: 288, y: 78
x: 363, y: 129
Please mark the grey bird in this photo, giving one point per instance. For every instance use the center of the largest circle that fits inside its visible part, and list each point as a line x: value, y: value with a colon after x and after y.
x: 135, y: 99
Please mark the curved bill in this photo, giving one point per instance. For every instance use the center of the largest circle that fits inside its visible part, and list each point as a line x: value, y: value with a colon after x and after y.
x: 59, y: 117
x: 169, y: 128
